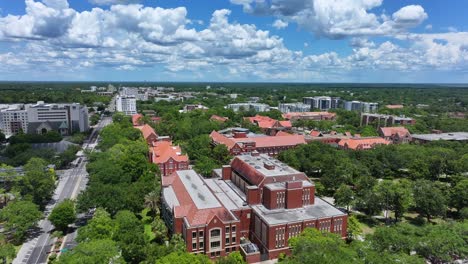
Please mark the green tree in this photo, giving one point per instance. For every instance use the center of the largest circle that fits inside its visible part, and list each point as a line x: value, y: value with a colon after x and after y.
x: 38, y: 183
x: 63, y: 215
x: 178, y: 243
x: 354, y: 228
x: 7, y: 250
x: 129, y: 235
x: 429, y: 200
x: 205, y: 165
x: 459, y: 195
x: 232, y: 258
x: 19, y: 217
x: 312, y: 246
x: 100, y: 227
x: 93, y: 252
x: 183, y: 258
x: 2, y: 137
x: 344, y: 196
x: 221, y: 154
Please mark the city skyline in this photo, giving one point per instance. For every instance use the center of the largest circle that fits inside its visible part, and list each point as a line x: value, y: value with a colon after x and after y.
x: 234, y: 41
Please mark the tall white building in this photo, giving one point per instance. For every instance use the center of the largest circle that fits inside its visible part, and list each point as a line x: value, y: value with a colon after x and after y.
x: 13, y: 119
x: 365, y: 107
x: 248, y: 106
x: 41, y: 118
x: 126, y: 104
x: 323, y: 103
x: 64, y: 118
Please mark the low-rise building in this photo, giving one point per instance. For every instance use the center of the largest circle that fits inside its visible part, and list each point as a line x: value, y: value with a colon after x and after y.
x: 169, y: 158
x: 294, y: 107
x: 149, y: 134
x: 192, y: 107
x: 254, y: 205
x: 240, y: 141
x: 269, y: 125
x: 137, y: 120
x: 399, y: 106
x: 381, y: 120
x: 397, y: 135
x: 219, y: 118
x: 316, y: 116
x: 331, y: 138
x: 362, y: 143
x: 257, y: 107
x: 452, y: 136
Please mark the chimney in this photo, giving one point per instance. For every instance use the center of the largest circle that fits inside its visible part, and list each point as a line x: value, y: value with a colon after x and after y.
x: 255, y: 153
x: 269, y: 166
x: 252, y: 194
x: 226, y: 172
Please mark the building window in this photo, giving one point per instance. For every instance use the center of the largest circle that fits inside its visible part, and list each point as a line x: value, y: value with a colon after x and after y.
x: 200, y: 234
x: 233, y: 240
x: 194, y: 246
x: 227, y: 229
x: 233, y: 229
x: 215, y: 244
x: 194, y: 234
x: 215, y: 233
x: 227, y: 240
x: 201, y: 245
x: 227, y: 250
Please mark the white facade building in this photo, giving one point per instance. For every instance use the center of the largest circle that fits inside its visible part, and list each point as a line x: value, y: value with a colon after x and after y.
x: 294, y: 107
x: 13, y: 119
x: 323, y: 103
x: 126, y: 104
x: 249, y: 106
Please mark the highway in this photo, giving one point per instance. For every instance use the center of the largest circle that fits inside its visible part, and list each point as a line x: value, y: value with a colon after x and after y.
x: 71, y: 183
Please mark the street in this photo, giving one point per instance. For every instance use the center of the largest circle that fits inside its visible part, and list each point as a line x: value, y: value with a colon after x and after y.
x: 71, y: 183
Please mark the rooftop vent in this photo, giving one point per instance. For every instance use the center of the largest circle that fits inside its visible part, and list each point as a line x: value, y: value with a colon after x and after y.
x: 269, y: 165
x: 201, y: 196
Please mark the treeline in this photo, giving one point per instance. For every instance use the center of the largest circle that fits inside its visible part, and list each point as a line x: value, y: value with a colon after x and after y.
x: 400, y: 243
x: 425, y: 178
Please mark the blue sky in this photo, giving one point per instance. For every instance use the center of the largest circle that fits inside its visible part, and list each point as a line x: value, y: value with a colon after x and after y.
x: 234, y: 40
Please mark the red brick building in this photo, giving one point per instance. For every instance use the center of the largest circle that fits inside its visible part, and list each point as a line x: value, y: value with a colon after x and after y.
x: 137, y: 120
x: 219, y: 118
x: 169, y: 158
x: 397, y: 135
x: 269, y: 125
x: 362, y: 143
x: 385, y: 120
x: 241, y: 141
x: 148, y: 134
x: 254, y: 205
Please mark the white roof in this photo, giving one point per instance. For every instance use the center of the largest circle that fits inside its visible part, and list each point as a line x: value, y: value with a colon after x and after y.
x: 202, y: 197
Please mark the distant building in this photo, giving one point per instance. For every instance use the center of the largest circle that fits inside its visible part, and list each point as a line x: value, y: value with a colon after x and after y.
x: 385, y: 120
x: 219, y: 118
x: 169, y: 158
x: 362, y: 143
x: 332, y: 138
x: 126, y: 104
x: 249, y: 106
x: 316, y: 116
x: 365, y: 107
x: 192, y: 107
x: 394, y: 106
x: 64, y: 118
x: 452, y: 136
x: 397, y: 135
x: 269, y: 125
x: 323, y: 103
x: 294, y: 107
x: 137, y: 119
x: 240, y: 141
x: 254, y: 205
x: 13, y: 119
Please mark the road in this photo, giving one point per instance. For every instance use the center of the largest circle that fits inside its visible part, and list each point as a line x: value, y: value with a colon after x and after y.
x: 71, y: 182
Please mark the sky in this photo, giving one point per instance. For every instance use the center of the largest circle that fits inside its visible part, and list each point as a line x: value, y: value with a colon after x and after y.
x: 367, y: 41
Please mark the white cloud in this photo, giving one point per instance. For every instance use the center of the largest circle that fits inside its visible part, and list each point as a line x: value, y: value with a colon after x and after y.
x: 114, y: 2
x: 452, y: 29
x: 280, y: 24
x: 428, y: 27
x: 338, y: 19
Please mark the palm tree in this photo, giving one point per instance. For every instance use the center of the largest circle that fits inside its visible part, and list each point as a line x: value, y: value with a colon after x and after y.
x: 152, y: 201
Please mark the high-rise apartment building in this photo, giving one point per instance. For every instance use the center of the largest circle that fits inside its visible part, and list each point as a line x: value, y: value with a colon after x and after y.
x: 126, y: 104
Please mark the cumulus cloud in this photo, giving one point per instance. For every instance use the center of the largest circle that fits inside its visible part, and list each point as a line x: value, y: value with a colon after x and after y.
x: 338, y: 18
x: 280, y: 24
x: 114, y: 2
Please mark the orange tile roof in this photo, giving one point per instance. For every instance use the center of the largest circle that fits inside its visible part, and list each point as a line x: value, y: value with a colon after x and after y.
x: 260, y: 142
x: 267, y: 122
x: 362, y: 143
x: 146, y: 130
x: 136, y: 119
x: 390, y: 131
x: 219, y: 118
x: 394, y: 106
x: 162, y: 151
x: 282, y: 133
x: 315, y: 133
